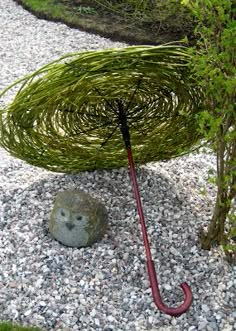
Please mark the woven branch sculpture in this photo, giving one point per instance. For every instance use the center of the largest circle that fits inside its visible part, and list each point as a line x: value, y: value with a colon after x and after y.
x: 64, y: 116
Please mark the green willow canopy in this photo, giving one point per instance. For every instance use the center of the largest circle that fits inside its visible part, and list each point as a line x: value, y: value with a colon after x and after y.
x: 65, y: 116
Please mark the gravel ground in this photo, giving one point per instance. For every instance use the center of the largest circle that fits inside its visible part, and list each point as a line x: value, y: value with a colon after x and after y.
x: 104, y: 287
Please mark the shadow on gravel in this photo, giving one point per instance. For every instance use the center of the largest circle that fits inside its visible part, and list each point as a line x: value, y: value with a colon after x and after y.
x: 119, y: 256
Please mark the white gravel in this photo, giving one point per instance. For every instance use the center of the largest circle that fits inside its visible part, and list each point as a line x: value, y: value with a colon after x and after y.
x: 104, y: 287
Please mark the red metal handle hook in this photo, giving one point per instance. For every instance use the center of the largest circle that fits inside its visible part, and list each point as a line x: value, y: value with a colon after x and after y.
x: 157, y: 297
x: 150, y: 265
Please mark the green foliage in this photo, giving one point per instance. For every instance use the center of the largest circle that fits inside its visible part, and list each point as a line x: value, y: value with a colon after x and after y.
x: 167, y: 14
x: 65, y: 115
x: 86, y: 10
x: 230, y: 245
x: 7, y: 326
x: 214, y: 63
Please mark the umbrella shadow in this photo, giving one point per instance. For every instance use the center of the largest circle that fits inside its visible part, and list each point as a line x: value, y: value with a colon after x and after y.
x: 172, y: 228
x: 164, y: 204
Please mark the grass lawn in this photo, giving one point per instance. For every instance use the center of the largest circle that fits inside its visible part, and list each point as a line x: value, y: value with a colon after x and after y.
x: 7, y: 326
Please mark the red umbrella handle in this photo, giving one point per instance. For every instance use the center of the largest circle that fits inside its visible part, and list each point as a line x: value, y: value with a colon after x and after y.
x: 157, y: 297
x: 150, y: 265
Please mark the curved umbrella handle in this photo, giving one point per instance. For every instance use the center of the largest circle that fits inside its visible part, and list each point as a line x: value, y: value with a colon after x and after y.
x: 157, y: 297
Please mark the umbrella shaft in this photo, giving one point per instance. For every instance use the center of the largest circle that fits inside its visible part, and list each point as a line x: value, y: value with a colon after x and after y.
x: 139, y: 204
x: 126, y: 137
x: 177, y: 311
x: 124, y: 126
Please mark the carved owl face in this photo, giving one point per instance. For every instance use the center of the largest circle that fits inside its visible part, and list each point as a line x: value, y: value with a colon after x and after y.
x: 71, y: 219
x: 70, y: 227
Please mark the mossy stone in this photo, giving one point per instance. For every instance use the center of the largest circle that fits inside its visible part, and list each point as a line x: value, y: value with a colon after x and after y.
x: 77, y: 219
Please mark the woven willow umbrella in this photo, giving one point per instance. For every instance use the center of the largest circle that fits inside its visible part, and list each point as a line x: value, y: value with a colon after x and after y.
x: 70, y: 116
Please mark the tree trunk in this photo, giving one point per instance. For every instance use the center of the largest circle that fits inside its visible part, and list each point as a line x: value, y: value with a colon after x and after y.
x: 215, y: 231
x: 226, y: 183
x: 215, y: 234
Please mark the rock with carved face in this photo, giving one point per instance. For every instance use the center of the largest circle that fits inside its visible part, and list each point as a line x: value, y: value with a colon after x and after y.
x: 77, y: 219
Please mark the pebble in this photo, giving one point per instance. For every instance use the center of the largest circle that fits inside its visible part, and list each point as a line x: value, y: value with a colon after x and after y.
x: 205, y: 308
x: 110, y: 318
x: 28, y: 312
x: 126, y: 256
x: 174, y: 251
x: 192, y: 328
x: 167, y: 287
x: 42, y: 303
x: 202, y: 325
x: 228, y: 327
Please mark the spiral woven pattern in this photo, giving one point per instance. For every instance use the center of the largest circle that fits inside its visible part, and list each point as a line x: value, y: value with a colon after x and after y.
x: 64, y: 116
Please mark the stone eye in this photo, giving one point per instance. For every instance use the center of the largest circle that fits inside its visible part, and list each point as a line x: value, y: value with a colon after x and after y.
x: 79, y: 218
x: 63, y: 213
